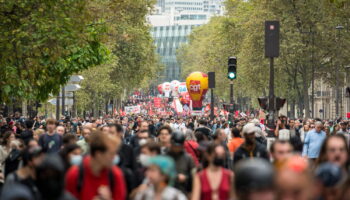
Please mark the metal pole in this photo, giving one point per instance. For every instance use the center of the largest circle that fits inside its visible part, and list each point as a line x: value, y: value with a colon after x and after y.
x: 212, y: 104
x: 231, y: 92
x: 58, y: 107
x: 74, y: 106
x: 313, y: 78
x: 271, y: 119
x: 63, y: 101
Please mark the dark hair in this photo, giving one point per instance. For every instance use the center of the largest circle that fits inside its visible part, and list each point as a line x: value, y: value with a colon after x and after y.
x: 28, y: 123
x: 99, y: 142
x: 67, y: 138
x: 272, y: 147
x: 235, y: 132
x: 152, y: 146
x: 164, y: 128
x: 6, y: 136
x: 118, y: 127
x: 29, y: 153
x: 322, y: 156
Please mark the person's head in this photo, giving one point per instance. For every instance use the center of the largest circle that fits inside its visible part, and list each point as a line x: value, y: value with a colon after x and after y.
x: 86, y: 132
x: 32, y: 143
x: 37, y: 133
x: 177, y: 142
x: 161, y: 170
x: 150, y: 149
x: 220, y: 135
x: 318, y: 126
x: 190, y: 135
x: 8, y: 137
x: 116, y: 130
x: 295, y: 181
x: 69, y: 139
x: 50, y: 177
x: 291, y: 123
x: 343, y: 125
x: 143, y: 126
x: 306, y: 127
x: 280, y: 151
x: 334, y: 150
x: 50, y: 125
x: 254, y: 180
x: 71, y: 155
x: 249, y: 133
x: 329, y: 180
x: 214, y: 155
x: 32, y: 157
x: 105, y: 129
x: 60, y: 130
x: 235, y: 133
x: 103, y: 148
x: 164, y: 135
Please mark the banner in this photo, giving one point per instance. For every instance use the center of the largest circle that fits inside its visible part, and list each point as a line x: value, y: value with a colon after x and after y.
x: 157, y: 102
x: 348, y: 115
x: 132, y: 109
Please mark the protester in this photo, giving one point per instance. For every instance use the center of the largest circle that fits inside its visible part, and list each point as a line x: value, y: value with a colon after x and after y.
x: 83, y: 143
x: 161, y: 175
x: 51, y: 141
x: 313, y: 142
x: 250, y: 148
x: 164, y: 137
x: 183, y: 162
x: 254, y: 180
x: 191, y: 146
x: 213, y: 182
x: 335, y: 150
x: 280, y: 151
x: 26, y: 175
x: 98, y: 177
x: 5, y: 149
x: 235, y: 142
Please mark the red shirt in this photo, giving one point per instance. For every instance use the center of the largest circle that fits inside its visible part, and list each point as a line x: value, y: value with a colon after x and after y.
x: 234, y: 144
x: 91, y: 183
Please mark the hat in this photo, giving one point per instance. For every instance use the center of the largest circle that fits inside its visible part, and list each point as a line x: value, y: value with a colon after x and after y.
x: 165, y: 164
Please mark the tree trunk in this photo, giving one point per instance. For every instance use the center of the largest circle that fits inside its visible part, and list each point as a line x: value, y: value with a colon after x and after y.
x: 306, y: 93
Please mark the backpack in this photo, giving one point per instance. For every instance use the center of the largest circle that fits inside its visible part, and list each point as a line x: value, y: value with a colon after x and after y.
x: 111, y: 179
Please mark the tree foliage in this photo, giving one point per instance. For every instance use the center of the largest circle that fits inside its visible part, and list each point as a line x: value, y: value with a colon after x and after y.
x: 42, y: 43
x: 308, y: 39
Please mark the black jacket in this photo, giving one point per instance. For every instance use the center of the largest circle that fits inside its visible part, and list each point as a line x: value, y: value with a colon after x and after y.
x: 259, y: 151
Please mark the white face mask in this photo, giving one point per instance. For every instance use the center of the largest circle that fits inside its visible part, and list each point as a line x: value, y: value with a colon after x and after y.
x: 142, y: 141
x: 116, y: 160
x: 76, y: 159
x: 144, y: 159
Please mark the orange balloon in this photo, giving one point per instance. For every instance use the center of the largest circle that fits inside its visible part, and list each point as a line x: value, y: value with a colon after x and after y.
x: 197, y: 86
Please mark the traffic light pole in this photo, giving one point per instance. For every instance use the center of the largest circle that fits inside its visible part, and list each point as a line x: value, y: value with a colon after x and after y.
x: 231, y: 92
x: 212, y: 104
x: 271, y: 119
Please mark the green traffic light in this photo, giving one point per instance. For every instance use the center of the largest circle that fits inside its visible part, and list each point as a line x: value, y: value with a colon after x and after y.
x: 231, y: 75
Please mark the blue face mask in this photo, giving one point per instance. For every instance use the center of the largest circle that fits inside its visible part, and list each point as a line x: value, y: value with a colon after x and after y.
x: 116, y: 160
x: 76, y: 159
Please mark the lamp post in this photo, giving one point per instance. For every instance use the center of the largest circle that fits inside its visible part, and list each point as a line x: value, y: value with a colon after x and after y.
x: 337, y: 97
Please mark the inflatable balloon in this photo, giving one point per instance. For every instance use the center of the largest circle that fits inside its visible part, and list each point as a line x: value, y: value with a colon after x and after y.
x: 166, y: 89
x: 160, y: 88
x: 182, y: 89
x: 175, y: 87
x: 197, y: 86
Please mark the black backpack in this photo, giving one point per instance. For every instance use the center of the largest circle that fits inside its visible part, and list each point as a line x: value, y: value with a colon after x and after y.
x: 81, y: 179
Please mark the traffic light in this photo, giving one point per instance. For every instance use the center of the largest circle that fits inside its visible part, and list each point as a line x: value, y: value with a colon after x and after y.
x: 232, y: 68
x: 279, y: 103
x: 263, y: 102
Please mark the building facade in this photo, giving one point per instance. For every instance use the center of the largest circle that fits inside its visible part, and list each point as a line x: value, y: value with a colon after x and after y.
x: 172, y: 23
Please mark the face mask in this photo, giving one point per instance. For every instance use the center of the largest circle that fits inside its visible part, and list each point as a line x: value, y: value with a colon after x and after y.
x: 218, y: 161
x: 76, y: 160
x: 142, y: 142
x: 116, y: 160
x: 144, y: 159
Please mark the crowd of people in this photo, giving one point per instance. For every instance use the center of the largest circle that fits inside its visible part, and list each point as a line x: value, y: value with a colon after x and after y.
x: 173, y: 158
